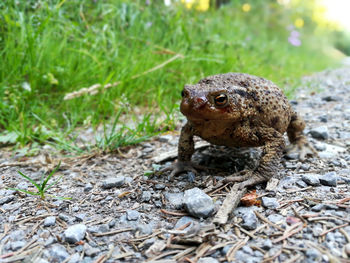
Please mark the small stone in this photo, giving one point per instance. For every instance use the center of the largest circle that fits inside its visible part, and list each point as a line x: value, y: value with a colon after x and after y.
x: 88, y: 187
x: 6, y: 199
x: 17, y: 235
x: 75, y: 258
x: 111, y: 223
x: 198, y: 203
x: 320, y: 132
x: 207, y: 260
x: 91, y: 251
x: 305, y: 166
x: 312, y: 254
x: 165, y: 138
x: 329, y: 179
x: 268, y: 202
x: 184, y: 220
x: 80, y: 217
x: 75, y: 233
x: 175, y: 199
x: 275, y: 218
x: 58, y: 253
x: 49, y: 221
x: 65, y: 218
x: 311, y: 179
x: 250, y: 220
x: 301, y: 183
x: 113, y: 182
x: 319, y: 146
x: 144, y: 229
x: 146, y: 196
x: 267, y: 244
x: 331, y: 98
x: 317, y: 208
x: 132, y: 215
x: 17, y: 245
x: 159, y: 186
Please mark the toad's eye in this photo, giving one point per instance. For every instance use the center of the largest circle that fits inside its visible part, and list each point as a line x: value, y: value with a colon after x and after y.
x: 183, y: 93
x: 221, y: 100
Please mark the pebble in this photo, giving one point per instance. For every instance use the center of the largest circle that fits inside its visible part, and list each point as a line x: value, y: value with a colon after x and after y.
x: 66, y: 218
x: 49, y: 221
x: 275, y: 218
x: 317, y: 208
x: 88, y: 187
x: 6, y: 199
x: 267, y: 244
x: 207, y: 260
x: 184, y: 220
x: 329, y: 179
x: 144, y: 229
x: 113, y: 182
x: 17, y: 245
x: 58, y: 253
x: 311, y: 179
x: 90, y: 251
x: 75, y: 233
x: 320, y: 132
x: 75, y: 258
x: 198, y: 203
x: 132, y: 215
x: 269, y: 202
x: 17, y: 235
x: 175, y: 199
x: 146, y: 196
x: 159, y: 186
x: 250, y: 221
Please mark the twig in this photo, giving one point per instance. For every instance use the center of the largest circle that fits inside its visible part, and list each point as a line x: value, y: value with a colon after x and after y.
x: 299, y: 190
x: 230, y: 203
x: 112, y: 232
x: 299, y: 216
x: 346, y: 235
x: 92, y: 90
x: 289, y: 232
x: 232, y: 251
x: 268, y: 221
x: 173, y: 213
x: 332, y: 229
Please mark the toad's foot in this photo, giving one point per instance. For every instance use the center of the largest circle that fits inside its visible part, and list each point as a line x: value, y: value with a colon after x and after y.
x: 246, y: 178
x: 303, y: 148
x: 182, y: 166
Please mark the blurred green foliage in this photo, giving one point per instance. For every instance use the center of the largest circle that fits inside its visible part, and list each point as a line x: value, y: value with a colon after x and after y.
x: 50, y: 48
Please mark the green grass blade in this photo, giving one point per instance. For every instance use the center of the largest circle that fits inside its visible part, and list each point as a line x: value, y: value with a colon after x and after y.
x: 49, y: 176
x: 30, y: 180
x: 24, y: 191
x: 55, y: 182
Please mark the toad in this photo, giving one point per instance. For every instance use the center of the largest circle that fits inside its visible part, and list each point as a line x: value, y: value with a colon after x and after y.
x: 240, y: 110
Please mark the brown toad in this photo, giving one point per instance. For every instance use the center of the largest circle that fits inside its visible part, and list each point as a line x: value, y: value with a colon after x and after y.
x: 240, y: 110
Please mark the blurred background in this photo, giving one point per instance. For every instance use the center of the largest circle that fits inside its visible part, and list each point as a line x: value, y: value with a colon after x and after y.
x: 133, y: 58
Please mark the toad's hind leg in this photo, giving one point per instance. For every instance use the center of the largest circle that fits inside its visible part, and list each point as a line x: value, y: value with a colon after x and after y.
x: 269, y: 163
x: 298, y: 141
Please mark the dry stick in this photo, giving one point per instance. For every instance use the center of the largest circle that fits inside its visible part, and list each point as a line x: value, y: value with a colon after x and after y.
x: 112, y: 232
x: 289, y: 232
x: 333, y: 228
x: 268, y: 221
x: 299, y: 216
x: 173, y: 213
x: 230, y: 203
x: 94, y: 88
x: 184, y: 253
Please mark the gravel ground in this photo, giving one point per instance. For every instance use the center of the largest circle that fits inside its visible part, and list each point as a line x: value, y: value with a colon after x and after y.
x: 119, y: 214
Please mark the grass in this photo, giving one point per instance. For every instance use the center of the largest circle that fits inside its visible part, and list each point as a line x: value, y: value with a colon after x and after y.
x: 42, y: 186
x: 51, y: 48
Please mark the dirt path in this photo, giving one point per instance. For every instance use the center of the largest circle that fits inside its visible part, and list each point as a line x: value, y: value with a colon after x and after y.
x: 118, y: 214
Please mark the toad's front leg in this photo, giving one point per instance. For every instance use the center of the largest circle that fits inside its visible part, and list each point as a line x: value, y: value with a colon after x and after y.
x: 185, y: 152
x: 269, y: 162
